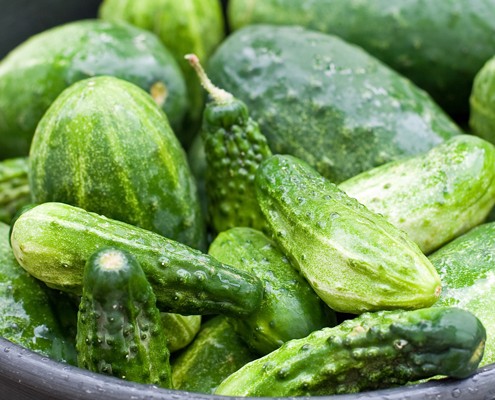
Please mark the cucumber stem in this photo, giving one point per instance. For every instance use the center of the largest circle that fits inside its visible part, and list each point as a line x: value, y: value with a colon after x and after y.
x: 218, y: 95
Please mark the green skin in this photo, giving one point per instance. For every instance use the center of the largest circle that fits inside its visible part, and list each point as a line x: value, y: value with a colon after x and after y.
x: 373, y: 351
x: 439, y: 45
x: 482, y: 102
x: 105, y: 146
x: 354, y: 259
x: 53, y: 242
x: 27, y: 317
x: 180, y: 330
x: 234, y: 148
x: 290, y: 308
x: 186, y: 26
x: 119, y: 330
x: 466, y: 266
x: 14, y: 187
x: 433, y: 197
x: 217, y: 352
x: 328, y: 103
x: 37, y: 71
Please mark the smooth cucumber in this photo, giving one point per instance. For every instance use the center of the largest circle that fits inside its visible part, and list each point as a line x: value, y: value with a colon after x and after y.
x: 372, y: 351
x: 433, y: 197
x: 326, y: 101
x: 482, y: 102
x: 105, y: 146
x: 53, y: 242
x: 354, y: 259
x: 180, y: 330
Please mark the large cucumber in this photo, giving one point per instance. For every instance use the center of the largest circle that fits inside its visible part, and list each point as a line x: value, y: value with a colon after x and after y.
x: 326, y: 101
x: 433, y: 197
x: 105, y: 146
x: 354, y: 259
x: 38, y: 70
x: 53, y: 242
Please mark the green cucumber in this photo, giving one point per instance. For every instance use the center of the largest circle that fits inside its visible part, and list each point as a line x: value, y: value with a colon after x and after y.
x: 290, y: 308
x: 234, y: 147
x: 439, y: 45
x: 28, y: 318
x: 354, y: 259
x: 180, y: 330
x: 326, y: 101
x: 184, y: 26
x: 466, y: 266
x: 38, y: 70
x: 482, y: 102
x: 119, y: 329
x: 372, y: 351
x: 14, y: 187
x: 216, y: 352
x: 433, y: 197
x: 53, y: 242
x: 105, y: 146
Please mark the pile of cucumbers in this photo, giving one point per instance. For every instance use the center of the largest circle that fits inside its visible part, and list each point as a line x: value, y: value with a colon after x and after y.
x: 253, y: 198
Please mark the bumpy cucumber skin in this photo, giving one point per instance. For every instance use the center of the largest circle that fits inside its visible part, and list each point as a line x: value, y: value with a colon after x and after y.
x: 482, y: 102
x: 439, y: 45
x: 119, y: 329
x: 433, y: 197
x: 186, y: 26
x: 105, y: 146
x: 290, y: 308
x: 354, y: 259
x: 53, y: 241
x: 326, y: 101
x: 14, y: 187
x: 27, y: 317
x: 180, y: 330
x: 373, y: 351
x: 466, y: 266
x: 234, y: 148
x: 216, y: 352
x: 36, y: 72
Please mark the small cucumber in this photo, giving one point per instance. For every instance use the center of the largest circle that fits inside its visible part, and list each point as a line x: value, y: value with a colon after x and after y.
x: 290, y: 308
x: 433, y: 197
x: 466, y: 266
x: 53, y: 242
x: 234, y: 147
x: 216, y: 352
x: 14, y: 187
x: 354, y: 259
x: 372, y: 351
x: 119, y: 329
x: 180, y: 330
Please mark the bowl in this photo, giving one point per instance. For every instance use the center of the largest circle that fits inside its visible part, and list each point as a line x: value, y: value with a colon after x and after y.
x: 26, y: 375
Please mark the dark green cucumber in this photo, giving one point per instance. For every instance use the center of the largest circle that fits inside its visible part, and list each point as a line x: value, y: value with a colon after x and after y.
x: 234, y: 147
x: 105, y: 146
x: 466, y: 266
x: 53, y: 242
x: 38, y: 70
x: 180, y: 330
x: 183, y: 27
x: 372, y: 351
x: 119, y: 329
x: 439, y: 45
x: 433, y: 197
x: 14, y: 187
x: 27, y: 317
x: 326, y: 101
x: 482, y: 102
x: 354, y: 259
x: 290, y: 308
x: 216, y: 352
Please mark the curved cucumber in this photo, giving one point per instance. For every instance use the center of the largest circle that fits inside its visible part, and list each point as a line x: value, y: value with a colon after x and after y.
x: 372, y: 351
x: 53, y: 242
x: 354, y: 259
x: 433, y: 197
x: 119, y: 328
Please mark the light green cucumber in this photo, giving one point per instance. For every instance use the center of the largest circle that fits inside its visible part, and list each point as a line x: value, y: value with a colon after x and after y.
x: 482, y: 102
x: 180, y: 330
x: 14, y: 187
